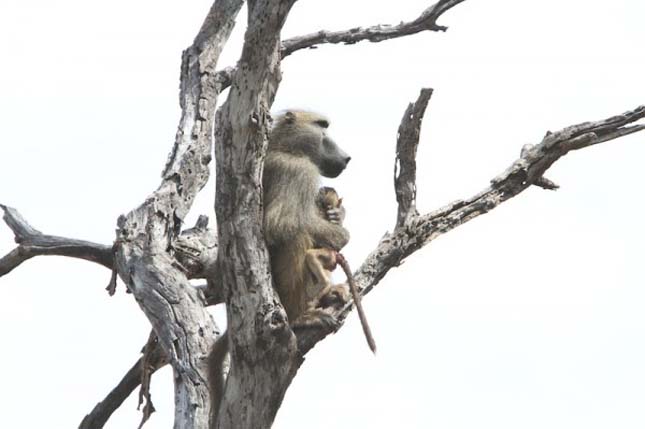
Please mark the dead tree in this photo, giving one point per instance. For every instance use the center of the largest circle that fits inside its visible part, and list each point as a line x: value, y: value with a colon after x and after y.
x: 155, y: 257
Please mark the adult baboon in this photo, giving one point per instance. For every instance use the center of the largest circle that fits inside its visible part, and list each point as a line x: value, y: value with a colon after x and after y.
x: 299, y: 153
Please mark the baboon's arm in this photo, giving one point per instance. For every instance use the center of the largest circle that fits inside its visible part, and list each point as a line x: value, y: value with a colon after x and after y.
x: 327, y: 234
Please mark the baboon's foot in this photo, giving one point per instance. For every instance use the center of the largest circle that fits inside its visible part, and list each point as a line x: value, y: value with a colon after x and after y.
x: 334, y: 296
x: 316, y: 318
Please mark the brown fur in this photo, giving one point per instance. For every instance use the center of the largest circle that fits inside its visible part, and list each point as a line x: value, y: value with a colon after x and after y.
x: 322, y: 261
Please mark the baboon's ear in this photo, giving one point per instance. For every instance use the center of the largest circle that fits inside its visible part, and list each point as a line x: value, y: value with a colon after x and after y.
x: 290, y: 117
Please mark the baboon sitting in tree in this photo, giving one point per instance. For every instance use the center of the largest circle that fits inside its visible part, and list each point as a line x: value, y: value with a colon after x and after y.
x: 299, y: 153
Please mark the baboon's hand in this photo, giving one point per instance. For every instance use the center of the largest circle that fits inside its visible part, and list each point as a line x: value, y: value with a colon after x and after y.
x: 335, y: 215
x: 334, y: 296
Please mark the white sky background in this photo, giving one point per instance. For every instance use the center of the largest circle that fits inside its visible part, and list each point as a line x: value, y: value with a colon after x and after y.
x: 528, y: 317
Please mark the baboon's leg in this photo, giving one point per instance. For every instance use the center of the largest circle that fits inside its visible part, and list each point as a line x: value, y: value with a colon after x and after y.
x: 317, y: 260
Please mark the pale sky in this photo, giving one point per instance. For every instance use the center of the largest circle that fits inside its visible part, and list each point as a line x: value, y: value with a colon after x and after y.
x: 528, y: 317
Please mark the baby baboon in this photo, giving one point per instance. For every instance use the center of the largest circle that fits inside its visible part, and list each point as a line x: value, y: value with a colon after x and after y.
x: 321, y: 262
x: 299, y: 152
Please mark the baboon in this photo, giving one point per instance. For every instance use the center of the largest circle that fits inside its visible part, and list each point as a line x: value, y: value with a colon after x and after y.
x: 321, y: 261
x: 299, y: 153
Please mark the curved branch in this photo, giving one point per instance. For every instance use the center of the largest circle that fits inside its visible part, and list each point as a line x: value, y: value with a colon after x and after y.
x: 426, y: 21
x: 97, y: 418
x: 32, y: 242
x: 526, y: 171
x: 264, y: 357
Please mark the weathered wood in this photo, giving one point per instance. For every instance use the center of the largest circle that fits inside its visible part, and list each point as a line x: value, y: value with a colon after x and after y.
x: 32, y: 242
x: 426, y: 21
x: 264, y: 356
x: 97, y: 418
x: 405, y: 163
x: 145, y: 257
x: 196, y: 250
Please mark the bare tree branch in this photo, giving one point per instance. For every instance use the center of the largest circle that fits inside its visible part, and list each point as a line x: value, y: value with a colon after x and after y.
x: 427, y: 21
x: 405, y: 164
x: 418, y: 231
x: 32, y: 242
x: 103, y: 410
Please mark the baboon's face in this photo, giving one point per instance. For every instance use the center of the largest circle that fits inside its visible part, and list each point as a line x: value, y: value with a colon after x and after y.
x: 305, y: 134
x: 333, y: 160
x: 328, y: 156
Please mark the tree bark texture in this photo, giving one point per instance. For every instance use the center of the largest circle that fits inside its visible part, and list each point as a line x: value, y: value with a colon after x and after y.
x: 263, y: 349
x: 144, y: 253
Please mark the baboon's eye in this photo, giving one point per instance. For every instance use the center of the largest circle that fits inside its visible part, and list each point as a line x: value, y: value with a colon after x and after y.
x: 323, y: 123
